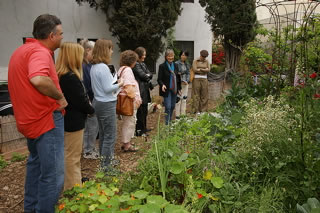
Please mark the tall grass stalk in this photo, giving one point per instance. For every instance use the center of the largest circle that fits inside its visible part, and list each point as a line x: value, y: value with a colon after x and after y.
x: 163, y: 173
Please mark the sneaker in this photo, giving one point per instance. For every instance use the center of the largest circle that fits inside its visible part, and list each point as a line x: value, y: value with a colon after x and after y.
x: 84, y: 179
x: 115, y: 162
x: 91, y: 155
x: 111, y: 171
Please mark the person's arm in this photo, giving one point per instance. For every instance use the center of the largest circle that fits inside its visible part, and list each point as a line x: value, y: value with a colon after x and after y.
x: 39, y: 76
x: 107, y: 81
x: 178, y: 77
x: 195, y: 68
x: 140, y: 73
x: 188, y: 73
x: 205, y: 70
x: 45, y: 86
x: 160, y: 78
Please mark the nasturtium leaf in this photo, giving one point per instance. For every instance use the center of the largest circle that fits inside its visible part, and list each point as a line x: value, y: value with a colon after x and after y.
x: 109, y: 192
x: 217, y: 182
x: 157, y: 200
x: 141, y: 194
x: 150, y: 208
x: 176, y: 168
x: 93, y: 207
x: 313, y: 203
x: 74, y: 208
x: 183, y: 157
x: 100, y: 175
x: 124, y: 198
x: 103, y: 199
x: 83, y: 208
x: 174, y: 209
x: 170, y: 153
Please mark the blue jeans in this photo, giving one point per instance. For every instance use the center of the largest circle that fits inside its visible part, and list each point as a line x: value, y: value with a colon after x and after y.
x: 107, y: 120
x: 169, y: 105
x: 91, y: 130
x: 45, y: 169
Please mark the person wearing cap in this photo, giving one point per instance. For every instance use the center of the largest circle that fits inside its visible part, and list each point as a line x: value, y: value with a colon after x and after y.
x: 200, y: 93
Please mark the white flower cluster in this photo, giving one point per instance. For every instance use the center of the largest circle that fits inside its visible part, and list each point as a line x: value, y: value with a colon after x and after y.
x: 266, y: 124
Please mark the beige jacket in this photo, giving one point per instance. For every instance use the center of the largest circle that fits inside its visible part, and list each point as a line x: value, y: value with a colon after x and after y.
x: 201, y: 67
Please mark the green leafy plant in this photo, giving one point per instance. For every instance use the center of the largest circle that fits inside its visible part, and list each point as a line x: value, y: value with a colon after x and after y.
x: 312, y: 206
x: 3, y: 162
x: 97, y: 197
x: 17, y: 157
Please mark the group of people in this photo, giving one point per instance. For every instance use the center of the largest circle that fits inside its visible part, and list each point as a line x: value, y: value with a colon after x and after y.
x: 174, y: 79
x: 60, y: 107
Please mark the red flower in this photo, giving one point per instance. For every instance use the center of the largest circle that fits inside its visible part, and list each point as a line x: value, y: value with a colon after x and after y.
x: 313, y: 75
x: 301, y: 85
x: 316, y: 96
x: 199, y: 195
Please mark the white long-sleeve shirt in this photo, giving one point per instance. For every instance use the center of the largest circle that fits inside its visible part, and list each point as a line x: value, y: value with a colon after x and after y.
x: 102, y: 83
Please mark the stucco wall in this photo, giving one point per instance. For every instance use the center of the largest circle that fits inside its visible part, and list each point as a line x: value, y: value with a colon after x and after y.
x: 17, y: 16
x: 191, y: 26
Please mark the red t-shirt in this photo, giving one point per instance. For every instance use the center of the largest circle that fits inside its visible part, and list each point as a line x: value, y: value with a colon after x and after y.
x: 32, y: 110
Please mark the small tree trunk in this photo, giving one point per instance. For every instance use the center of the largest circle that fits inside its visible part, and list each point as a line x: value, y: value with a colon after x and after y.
x: 232, y: 57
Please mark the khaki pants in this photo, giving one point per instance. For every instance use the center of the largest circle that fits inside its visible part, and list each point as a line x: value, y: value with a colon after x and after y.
x: 72, y: 153
x: 182, y: 104
x: 200, y: 95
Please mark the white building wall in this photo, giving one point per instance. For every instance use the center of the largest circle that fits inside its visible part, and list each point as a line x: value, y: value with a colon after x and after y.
x: 191, y: 26
x: 17, y: 17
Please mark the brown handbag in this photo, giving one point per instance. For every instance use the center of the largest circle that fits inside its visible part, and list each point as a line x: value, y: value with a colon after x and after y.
x: 124, y: 104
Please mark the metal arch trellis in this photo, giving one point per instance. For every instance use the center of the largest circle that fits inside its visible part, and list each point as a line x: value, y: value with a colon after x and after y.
x: 298, y: 19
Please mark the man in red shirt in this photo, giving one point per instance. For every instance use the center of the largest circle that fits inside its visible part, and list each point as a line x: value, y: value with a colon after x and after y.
x: 38, y: 104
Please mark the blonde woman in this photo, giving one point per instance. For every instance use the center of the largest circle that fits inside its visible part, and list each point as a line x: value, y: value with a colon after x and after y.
x: 69, y: 69
x: 130, y: 87
x: 91, y: 127
x: 104, y: 86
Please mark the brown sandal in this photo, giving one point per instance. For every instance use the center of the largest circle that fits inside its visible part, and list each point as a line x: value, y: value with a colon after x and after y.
x: 130, y: 149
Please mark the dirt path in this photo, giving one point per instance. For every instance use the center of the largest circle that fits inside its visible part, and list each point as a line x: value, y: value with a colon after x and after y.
x: 12, y: 177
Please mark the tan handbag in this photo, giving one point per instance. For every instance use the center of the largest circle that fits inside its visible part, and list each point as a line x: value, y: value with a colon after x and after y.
x: 191, y: 74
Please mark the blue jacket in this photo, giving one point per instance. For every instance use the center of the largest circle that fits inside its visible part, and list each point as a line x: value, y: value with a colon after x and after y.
x: 185, y: 76
x: 87, y: 79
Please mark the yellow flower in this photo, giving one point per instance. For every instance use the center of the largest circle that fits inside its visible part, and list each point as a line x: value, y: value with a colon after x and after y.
x: 213, y: 198
x: 207, y: 175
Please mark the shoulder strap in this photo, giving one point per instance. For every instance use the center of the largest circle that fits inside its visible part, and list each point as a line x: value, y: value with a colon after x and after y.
x: 122, y: 70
